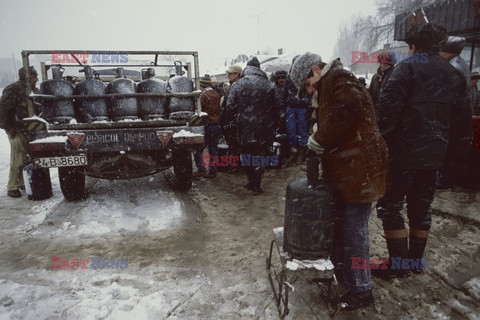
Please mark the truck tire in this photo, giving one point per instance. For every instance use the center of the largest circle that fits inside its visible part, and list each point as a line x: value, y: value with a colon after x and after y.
x: 72, y: 182
x: 182, y: 168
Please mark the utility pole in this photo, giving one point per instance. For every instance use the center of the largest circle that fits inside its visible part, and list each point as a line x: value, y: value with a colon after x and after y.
x: 258, y: 28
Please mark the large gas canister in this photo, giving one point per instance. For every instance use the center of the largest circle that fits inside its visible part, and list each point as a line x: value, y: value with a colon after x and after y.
x: 309, y: 216
x: 57, y: 111
x: 90, y: 110
x: 120, y: 108
x: 151, y: 107
x: 38, y: 185
x: 180, y: 108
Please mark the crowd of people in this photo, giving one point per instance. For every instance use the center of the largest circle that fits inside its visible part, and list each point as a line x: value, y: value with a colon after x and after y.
x: 397, y: 141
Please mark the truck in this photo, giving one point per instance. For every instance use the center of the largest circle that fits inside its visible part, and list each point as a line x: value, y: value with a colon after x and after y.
x: 113, y: 115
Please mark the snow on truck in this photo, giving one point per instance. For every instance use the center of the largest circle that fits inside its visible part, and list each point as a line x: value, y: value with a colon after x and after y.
x: 113, y: 115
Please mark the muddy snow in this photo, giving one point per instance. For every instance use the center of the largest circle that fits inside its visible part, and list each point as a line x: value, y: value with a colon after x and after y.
x: 139, y: 250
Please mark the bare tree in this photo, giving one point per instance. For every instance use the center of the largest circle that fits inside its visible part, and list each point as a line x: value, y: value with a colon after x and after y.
x: 370, y: 32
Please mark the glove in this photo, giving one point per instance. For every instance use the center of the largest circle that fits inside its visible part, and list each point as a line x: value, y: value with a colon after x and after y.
x: 313, y: 145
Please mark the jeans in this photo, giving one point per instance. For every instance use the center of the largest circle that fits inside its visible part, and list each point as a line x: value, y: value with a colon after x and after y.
x: 297, y: 126
x: 212, y: 135
x: 418, y: 186
x: 351, y: 239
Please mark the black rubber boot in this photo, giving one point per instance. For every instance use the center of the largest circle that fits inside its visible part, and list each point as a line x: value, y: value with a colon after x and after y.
x: 397, y: 250
x: 354, y: 300
x: 418, y: 242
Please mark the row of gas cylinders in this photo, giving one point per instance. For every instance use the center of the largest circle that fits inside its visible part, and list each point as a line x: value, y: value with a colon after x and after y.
x: 115, y: 108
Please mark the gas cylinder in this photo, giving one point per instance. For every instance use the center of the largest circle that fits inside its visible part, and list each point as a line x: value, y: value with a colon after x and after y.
x: 58, y: 111
x: 309, y: 216
x: 92, y: 109
x: 151, y: 107
x: 38, y: 185
x: 180, y: 108
x: 122, y: 108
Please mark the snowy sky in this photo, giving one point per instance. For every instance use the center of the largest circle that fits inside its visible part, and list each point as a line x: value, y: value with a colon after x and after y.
x: 218, y: 29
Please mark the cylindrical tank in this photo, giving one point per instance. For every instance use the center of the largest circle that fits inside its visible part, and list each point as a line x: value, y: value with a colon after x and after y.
x: 92, y: 109
x: 60, y: 111
x: 309, y: 213
x: 151, y: 107
x: 122, y: 108
x: 38, y: 185
x: 180, y: 108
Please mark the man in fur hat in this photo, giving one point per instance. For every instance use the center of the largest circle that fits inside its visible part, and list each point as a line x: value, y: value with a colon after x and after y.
x: 354, y: 160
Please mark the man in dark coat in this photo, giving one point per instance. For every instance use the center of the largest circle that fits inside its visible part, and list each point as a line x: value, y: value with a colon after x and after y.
x: 281, y: 95
x: 375, y: 84
x: 354, y: 160
x: 13, y: 108
x: 423, y: 117
x: 251, y: 102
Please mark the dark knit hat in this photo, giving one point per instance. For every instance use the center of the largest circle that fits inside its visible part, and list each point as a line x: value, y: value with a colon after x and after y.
x: 302, y: 66
x: 22, y: 74
x: 454, y: 45
x: 254, y: 62
x: 386, y: 58
x: 428, y: 36
x: 205, y: 81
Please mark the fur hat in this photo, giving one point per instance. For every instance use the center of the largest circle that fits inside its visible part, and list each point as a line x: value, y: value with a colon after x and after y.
x: 22, y: 74
x: 454, y: 45
x: 302, y: 66
x: 254, y: 62
x: 234, y: 69
x: 205, y: 81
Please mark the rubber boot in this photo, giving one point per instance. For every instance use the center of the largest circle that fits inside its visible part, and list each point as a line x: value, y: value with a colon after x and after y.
x: 418, y: 242
x: 397, y: 245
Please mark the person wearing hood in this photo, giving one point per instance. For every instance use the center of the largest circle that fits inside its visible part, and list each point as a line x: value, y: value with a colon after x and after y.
x: 354, y: 160
x: 424, y: 117
x: 251, y: 103
x: 13, y: 108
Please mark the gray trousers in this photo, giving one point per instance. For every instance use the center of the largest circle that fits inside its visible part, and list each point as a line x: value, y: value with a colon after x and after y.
x: 18, y: 158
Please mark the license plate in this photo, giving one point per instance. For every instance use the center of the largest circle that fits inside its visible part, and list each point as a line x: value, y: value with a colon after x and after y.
x: 69, y: 161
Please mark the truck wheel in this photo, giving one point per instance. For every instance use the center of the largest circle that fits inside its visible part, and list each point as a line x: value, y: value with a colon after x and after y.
x: 182, y: 167
x: 72, y: 182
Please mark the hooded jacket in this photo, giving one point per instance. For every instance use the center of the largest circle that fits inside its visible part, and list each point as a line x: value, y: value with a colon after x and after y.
x: 355, y: 155
x: 251, y: 103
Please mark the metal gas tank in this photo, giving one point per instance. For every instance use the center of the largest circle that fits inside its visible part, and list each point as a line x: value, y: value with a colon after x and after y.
x: 92, y: 109
x: 309, y: 219
x: 60, y: 111
x: 151, y: 107
x: 180, y: 108
x: 122, y: 108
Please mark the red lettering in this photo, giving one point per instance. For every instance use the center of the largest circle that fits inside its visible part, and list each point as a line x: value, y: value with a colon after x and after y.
x: 225, y: 160
x: 206, y: 160
x: 356, y: 56
x: 215, y: 161
x: 234, y: 161
x: 65, y: 264
x: 56, y: 263
x: 74, y: 264
x: 355, y: 263
x: 373, y: 263
x: 84, y: 263
x: 382, y: 58
x: 366, y: 264
x: 364, y: 57
x: 374, y: 57
x: 83, y: 57
x: 55, y: 57
x: 384, y: 263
